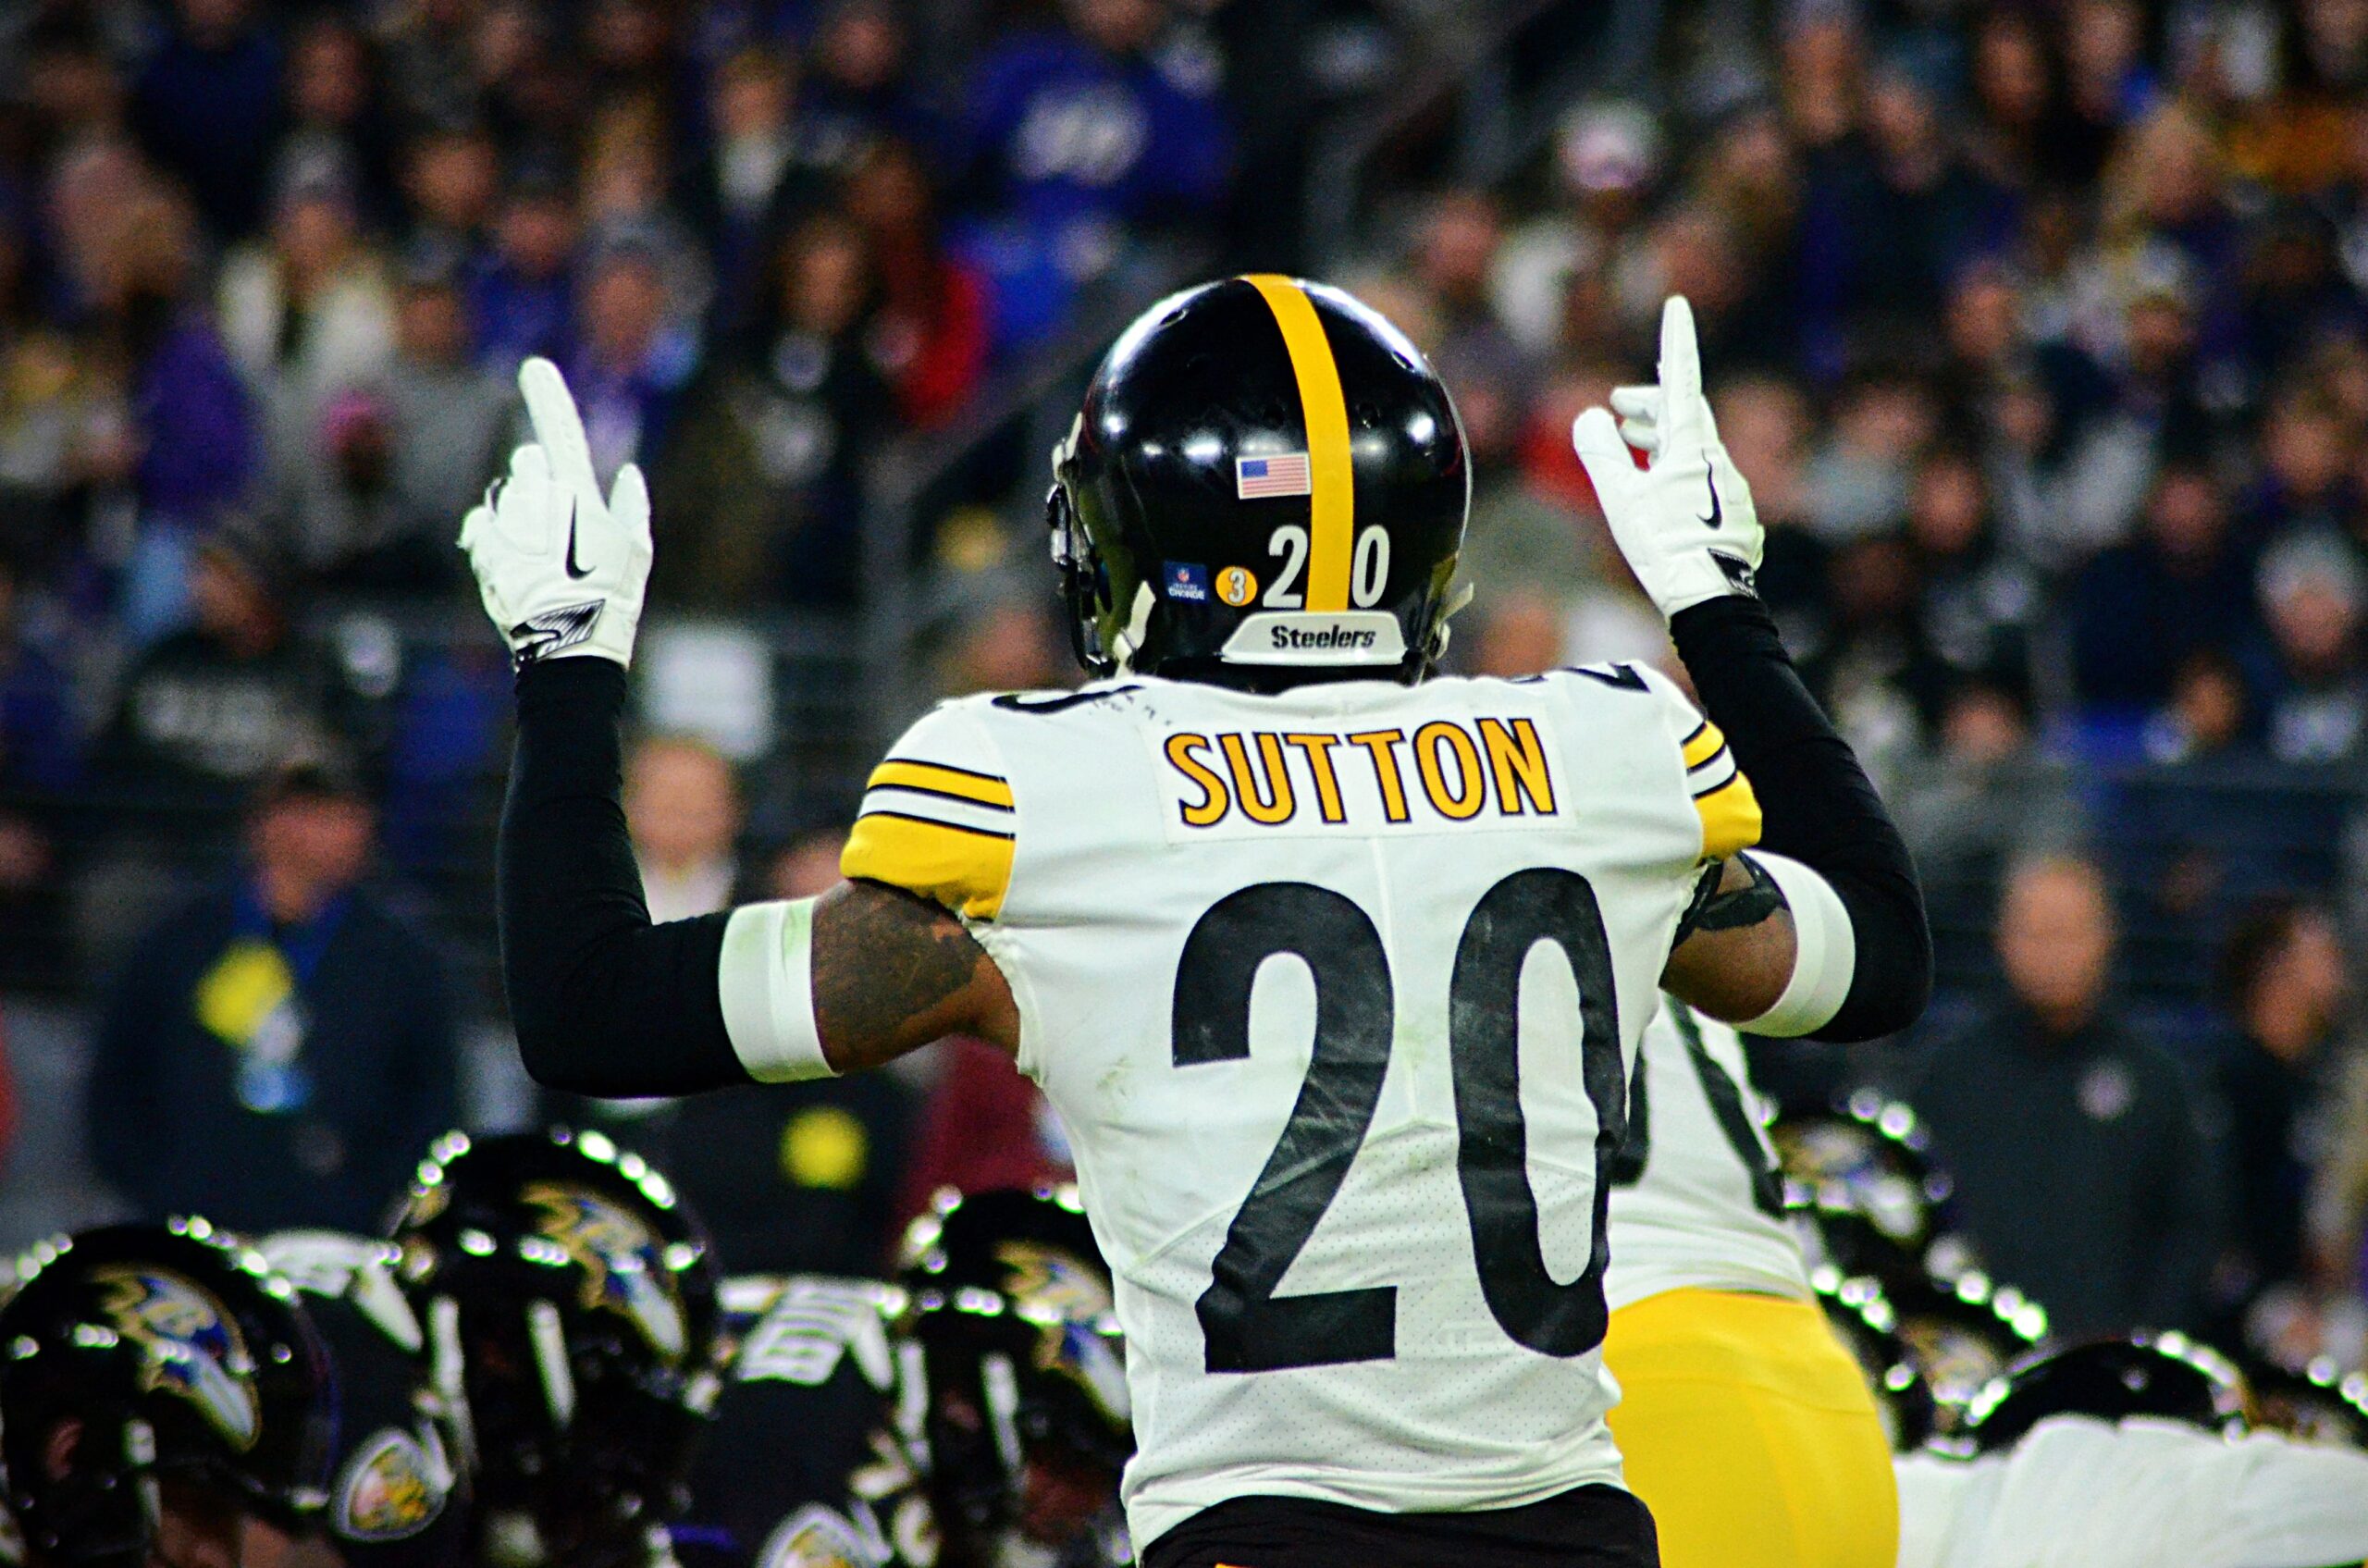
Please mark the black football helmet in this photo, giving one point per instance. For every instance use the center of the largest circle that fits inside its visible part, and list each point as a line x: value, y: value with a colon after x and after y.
x: 1008, y: 1297
x: 569, y: 1299
x: 396, y: 1496
x: 182, y: 1357
x: 2166, y: 1376
x: 2318, y: 1403
x: 1267, y: 485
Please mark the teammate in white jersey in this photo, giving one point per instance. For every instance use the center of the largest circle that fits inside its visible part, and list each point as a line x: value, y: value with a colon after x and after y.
x: 1744, y: 1422
x: 1352, y: 1197
x: 2129, y: 1453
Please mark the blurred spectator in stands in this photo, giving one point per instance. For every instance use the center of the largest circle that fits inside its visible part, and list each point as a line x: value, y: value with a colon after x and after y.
x: 633, y: 359
x: 2306, y: 455
x: 999, y: 634
x: 983, y: 1128
x: 625, y: 185
x: 935, y: 321
x: 1985, y: 795
x: 1875, y: 669
x: 1087, y: 134
x: 2153, y: 413
x: 2081, y: 1172
x: 1455, y: 248
x: 1857, y: 479
x: 795, y: 1176
x: 862, y: 89
x: 451, y: 185
x: 41, y: 748
x: 278, y: 1051
x: 2140, y: 609
x: 2280, y: 1079
x: 1889, y: 215
x: 71, y: 82
x: 1976, y: 603
x: 308, y: 314
x: 752, y: 175
x: 207, y: 106
x: 208, y: 712
x: 1765, y: 422
x: 1607, y: 156
x: 522, y: 296
x: 334, y: 113
x: 683, y: 810
x: 2312, y: 591
x: 763, y: 482
x: 1548, y: 587
x: 2210, y: 716
x: 365, y: 489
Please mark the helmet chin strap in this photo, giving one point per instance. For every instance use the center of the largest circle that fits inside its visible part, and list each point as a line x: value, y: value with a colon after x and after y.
x: 1122, y: 661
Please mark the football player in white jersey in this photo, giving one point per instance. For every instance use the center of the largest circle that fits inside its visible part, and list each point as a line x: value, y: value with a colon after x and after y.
x: 2129, y: 1453
x: 1744, y: 1423
x: 1332, y: 970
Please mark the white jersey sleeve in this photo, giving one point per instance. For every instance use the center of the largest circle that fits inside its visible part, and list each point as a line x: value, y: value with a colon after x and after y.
x: 2081, y: 1493
x: 939, y: 817
x: 1696, y: 1200
x: 1334, y: 993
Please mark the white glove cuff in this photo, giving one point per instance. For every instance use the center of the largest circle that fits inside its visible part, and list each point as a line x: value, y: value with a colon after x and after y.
x: 1825, y: 951
x: 765, y: 978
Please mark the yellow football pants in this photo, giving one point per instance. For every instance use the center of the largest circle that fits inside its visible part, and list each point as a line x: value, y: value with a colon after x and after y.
x: 1749, y: 1432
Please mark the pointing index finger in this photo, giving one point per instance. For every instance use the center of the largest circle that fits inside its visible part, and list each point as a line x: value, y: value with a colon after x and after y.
x: 1680, y: 367
x: 558, y: 430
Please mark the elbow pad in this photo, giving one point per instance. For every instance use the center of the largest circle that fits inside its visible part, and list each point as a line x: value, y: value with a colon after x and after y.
x: 765, y: 981
x: 1825, y: 952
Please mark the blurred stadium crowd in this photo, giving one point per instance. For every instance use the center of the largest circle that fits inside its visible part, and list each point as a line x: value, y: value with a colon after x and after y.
x: 2044, y: 333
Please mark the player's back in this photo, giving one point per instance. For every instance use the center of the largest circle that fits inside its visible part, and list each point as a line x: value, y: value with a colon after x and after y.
x: 1352, y: 1197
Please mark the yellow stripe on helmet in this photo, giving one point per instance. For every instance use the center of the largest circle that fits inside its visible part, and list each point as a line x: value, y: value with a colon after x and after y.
x: 1332, y: 499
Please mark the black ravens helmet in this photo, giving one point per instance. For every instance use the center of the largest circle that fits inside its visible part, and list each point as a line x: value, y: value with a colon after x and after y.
x: 2165, y: 1376
x: 569, y: 1298
x: 1267, y: 484
x: 395, y: 1487
x: 145, y: 1354
x: 1010, y: 1301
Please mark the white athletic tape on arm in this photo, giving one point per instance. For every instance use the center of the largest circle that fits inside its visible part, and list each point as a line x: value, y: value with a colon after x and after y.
x: 766, y: 979
x: 1825, y: 953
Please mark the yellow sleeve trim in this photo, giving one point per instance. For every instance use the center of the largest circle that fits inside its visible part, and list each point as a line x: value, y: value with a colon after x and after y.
x: 1730, y: 818
x: 932, y: 778
x: 1703, y: 743
x: 967, y: 869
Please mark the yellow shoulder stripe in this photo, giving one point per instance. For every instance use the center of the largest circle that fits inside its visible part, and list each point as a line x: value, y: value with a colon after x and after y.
x: 1332, y: 485
x: 1703, y: 743
x: 932, y: 778
x: 967, y: 869
x: 1730, y: 818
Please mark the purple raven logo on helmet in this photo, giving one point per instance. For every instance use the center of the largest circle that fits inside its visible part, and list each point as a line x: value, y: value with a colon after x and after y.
x: 623, y: 1262
x: 193, y: 1348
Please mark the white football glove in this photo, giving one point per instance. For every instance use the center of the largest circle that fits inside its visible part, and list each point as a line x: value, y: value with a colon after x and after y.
x: 561, y: 570
x: 1685, y: 523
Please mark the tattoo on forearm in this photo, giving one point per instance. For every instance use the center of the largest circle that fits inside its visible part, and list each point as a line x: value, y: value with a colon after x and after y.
x: 1722, y: 904
x: 884, y: 959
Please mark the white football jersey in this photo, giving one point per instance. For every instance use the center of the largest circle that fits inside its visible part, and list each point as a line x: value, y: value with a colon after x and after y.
x: 1334, y: 991
x: 1696, y: 1200
x: 2080, y: 1493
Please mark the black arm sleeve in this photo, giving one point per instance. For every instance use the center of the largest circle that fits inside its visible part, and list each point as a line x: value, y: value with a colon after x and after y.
x: 1817, y: 805
x: 604, y: 1002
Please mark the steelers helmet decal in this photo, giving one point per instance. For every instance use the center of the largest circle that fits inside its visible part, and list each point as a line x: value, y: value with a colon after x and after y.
x: 1266, y: 483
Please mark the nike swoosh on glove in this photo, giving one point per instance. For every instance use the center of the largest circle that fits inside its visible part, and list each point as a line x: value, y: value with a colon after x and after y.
x: 1684, y: 521
x: 560, y: 569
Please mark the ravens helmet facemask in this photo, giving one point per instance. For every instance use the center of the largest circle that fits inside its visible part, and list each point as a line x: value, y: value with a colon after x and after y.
x: 1266, y: 486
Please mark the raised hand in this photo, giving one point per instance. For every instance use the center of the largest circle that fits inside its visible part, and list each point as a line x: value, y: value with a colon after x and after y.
x: 1684, y: 521
x: 560, y: 569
